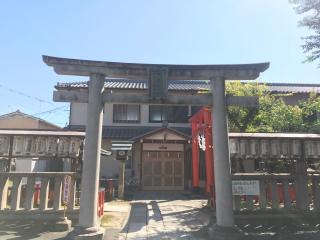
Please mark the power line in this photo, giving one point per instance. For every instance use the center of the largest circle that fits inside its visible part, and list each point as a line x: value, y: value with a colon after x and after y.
x: 25, y: 95
x: 49, y: 111
x: 37, y: 114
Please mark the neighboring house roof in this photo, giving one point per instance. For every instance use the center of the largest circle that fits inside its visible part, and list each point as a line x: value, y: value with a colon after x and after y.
x: 189, y: 85
x: 132, y: 132
x: 19, y: 114
x: 293, y: 87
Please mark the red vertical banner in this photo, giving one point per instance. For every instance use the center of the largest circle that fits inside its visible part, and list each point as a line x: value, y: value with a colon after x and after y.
x: 195, y: 155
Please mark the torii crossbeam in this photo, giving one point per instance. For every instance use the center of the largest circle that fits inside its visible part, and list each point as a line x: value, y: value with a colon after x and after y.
x: 158, y: 76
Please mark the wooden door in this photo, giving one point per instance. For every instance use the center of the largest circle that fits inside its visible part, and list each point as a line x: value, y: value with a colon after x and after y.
x: 163, y: 171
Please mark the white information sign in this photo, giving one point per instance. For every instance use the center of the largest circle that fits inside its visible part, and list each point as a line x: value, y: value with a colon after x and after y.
x: 245, y: 187
x: 66, y: 189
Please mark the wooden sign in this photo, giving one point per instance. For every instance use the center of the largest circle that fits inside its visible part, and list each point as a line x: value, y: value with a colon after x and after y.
x: 245, y: 187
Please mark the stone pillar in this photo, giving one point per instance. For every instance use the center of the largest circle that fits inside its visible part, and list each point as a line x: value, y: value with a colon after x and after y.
x: 302, y: 180
x: 224, y: 228
x: 88, y: 220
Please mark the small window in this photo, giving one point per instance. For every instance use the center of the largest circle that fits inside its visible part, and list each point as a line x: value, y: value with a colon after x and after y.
x: 126, y: 113
x: 172, y: 114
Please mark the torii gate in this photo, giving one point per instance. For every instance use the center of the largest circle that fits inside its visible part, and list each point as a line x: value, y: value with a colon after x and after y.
x: 157, y: 93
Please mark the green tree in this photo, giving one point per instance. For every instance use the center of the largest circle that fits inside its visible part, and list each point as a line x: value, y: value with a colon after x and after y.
x: 272, y: 114
x: 241, y: 118
x: 311, y: 113
x: 275, y: 116
x: 311, y: 11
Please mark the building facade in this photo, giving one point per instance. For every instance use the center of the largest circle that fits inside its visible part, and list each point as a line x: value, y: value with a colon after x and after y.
x: 161, y: 156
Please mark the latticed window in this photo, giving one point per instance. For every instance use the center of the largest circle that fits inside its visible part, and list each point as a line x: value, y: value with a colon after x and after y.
x: 123, y: 113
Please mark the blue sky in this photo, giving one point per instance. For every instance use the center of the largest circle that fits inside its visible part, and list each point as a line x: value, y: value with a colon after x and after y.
x: 146, y: 31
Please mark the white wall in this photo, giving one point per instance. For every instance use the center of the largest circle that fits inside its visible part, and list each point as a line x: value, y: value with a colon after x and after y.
x: 109, y: 167
x: 78, y: 115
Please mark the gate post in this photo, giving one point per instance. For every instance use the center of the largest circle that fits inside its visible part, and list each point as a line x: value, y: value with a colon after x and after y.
x: 88, y: 221
x: 224, y: 228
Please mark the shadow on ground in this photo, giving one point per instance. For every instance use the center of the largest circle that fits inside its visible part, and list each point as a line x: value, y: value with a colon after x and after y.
x: 291, y: 228
x: 25, y: 230
x: 164, y: 215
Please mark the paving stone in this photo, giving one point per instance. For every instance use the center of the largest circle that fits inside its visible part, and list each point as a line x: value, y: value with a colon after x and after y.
x: 165, y: 217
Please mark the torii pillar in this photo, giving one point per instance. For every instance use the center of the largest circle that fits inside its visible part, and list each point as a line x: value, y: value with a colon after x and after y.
x: 88, y: 219
x: 225, y: 227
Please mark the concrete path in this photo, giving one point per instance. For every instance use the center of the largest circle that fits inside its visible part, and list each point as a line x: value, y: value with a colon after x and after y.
x: 164, y: 215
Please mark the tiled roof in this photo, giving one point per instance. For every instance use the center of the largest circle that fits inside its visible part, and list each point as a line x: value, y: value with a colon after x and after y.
x: 190, y: 85
x: 113, y: 83
x: 130, y: 132
x: 20, y: 114
x: 293, y: 87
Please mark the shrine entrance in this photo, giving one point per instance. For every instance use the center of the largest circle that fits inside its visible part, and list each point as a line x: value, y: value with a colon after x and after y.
x: 163, y: 170
x: 158, y: 76
x: 163, y: 160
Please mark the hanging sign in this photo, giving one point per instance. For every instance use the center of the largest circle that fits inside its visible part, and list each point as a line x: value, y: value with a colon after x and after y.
x: 245, y: 187
x: 66, y: 189
x: 202, y: 142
